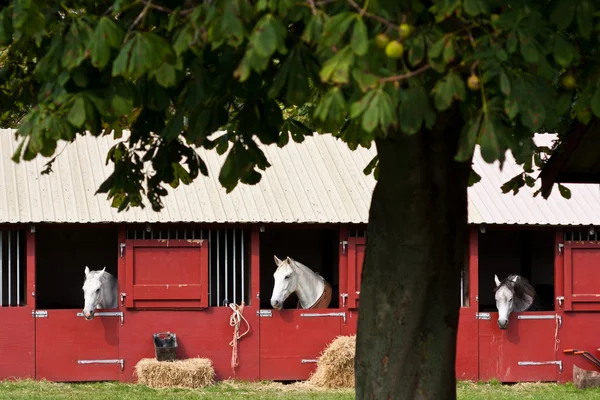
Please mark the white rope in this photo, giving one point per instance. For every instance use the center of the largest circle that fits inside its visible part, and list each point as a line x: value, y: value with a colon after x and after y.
x: 236, y: 318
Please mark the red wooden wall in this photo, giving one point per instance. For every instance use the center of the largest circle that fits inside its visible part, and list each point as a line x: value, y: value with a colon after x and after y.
x: 205, y: 332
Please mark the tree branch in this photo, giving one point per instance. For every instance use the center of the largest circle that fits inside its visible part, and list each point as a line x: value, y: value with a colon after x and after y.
x: 138, y: 19
x: 157, y: 7
x: 402, y: 77
x: 372, y: 16
x: 313, y: 8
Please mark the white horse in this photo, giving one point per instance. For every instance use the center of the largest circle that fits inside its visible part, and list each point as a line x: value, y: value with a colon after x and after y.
x: 100, y: 290
x: 514, y: 293
x: 291, y: 276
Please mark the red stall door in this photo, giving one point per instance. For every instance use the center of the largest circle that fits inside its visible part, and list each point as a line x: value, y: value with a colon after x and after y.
x: 291, y: 341
x: 16, y: 343
x: 356, y: 259
x: 582, y: 276
x: 525, y: 352
x: 163, y: 274
x: 69, y: 348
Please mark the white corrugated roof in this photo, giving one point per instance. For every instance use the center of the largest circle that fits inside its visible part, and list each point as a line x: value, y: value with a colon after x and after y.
x: 318, y: 181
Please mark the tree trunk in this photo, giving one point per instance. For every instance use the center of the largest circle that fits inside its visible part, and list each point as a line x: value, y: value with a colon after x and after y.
x: 408, y: 318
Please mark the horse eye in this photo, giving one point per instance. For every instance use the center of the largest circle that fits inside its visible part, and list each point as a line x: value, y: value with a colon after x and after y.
x: 287, y: 277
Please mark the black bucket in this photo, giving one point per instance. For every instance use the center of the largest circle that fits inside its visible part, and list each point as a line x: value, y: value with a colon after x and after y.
x: 165, y: 346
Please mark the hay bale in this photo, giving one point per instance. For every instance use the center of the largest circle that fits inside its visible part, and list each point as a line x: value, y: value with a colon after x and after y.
x: 335, y: 369
x: 190, y: 373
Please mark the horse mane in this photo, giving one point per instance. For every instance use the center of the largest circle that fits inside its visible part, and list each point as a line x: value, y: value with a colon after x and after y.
x: 304, y: 267
x: 520, y: 289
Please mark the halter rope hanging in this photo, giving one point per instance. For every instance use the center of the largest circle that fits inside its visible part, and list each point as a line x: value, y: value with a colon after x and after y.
x: 236, y: 318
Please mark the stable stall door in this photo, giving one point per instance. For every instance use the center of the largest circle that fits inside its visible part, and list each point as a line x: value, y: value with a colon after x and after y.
x: 69, y: 348
x: 524, y: 352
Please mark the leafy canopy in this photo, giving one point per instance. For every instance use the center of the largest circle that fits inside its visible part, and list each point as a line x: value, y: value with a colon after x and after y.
x: 264, y: 70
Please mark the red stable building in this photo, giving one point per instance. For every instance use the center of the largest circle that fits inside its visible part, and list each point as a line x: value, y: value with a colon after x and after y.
x: 176, y: 269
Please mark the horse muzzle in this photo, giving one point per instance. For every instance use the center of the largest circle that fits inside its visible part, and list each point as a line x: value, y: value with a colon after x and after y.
x: 276, y: 304
x: 502, y: 324
x: 88, y: 315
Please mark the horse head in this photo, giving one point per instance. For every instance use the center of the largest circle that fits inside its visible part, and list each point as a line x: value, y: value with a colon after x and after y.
x: 92, y: 292
x: 286, y: 281
x: 513, y: 294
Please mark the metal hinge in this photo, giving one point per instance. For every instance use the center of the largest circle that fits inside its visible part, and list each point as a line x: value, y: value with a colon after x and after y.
x: 107, y: 314
x: 331, y: 314
x: 123, y: 295
x: 484, y: 315
x: 264, y: 313
x: 560, y: 248
x: 527, y: 363
x: 344, y: 297
x: 120, y: 362
x: 560, y: 300
x: 39, y: 314
x: 122, y: 248
x: 344, y: 244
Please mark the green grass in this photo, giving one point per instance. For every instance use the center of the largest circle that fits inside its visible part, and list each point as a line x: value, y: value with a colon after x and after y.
x: 30, y: 390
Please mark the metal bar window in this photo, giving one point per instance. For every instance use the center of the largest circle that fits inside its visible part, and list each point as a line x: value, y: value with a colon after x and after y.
x: 12, y: 268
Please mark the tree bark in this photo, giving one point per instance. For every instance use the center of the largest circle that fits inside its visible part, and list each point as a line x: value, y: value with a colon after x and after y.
x: 416, y: 242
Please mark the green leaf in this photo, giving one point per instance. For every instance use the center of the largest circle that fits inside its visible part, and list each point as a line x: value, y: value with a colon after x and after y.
x: 337, y: 68
x: 264, y: 37
x: 416, y: 50
x: 595, y: 102
x: 564, y: 52
x: 504, y: 83
x: 511, y: 43
x: 371, y: 165
x: 107, y: 35
x: 436, y: 49
x: 75, y: 44
x: 533, y: 116
x: 449, y: 51
x: 332, y: 106
x: 77, y: 114
x: 474, y: 178
x: 585, y: 18
x: 489, y: 142
x: 468, y: 139
x: 165, y: 75
x: 6, y: 26
x: 143, y: 53
x: 314, y: 29
x: 475, y: 7
x: 174, y: 127
x: 336, y: 27
x: 380, y: 112
x: 414, y: 110
x: 450, y: 88
x: 564, y: 103
x: 563, y: 13
x: 365, y: 80
x: 358, y: 107
x: 360, y: 38
x: 564, y: 191
x: 529, y: 50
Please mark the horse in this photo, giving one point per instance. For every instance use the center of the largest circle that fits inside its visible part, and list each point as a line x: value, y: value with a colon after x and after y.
x: 514, y: 293
x: 291, y: 276
x: 100, y: 290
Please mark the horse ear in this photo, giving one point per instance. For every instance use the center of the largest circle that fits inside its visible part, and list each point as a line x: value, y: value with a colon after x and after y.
x: 87, y: 271
x: 277, y: 260
x: 102, y: 272
x: 289, y: 260
x: 496, y: 280
x: 515, y: 279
